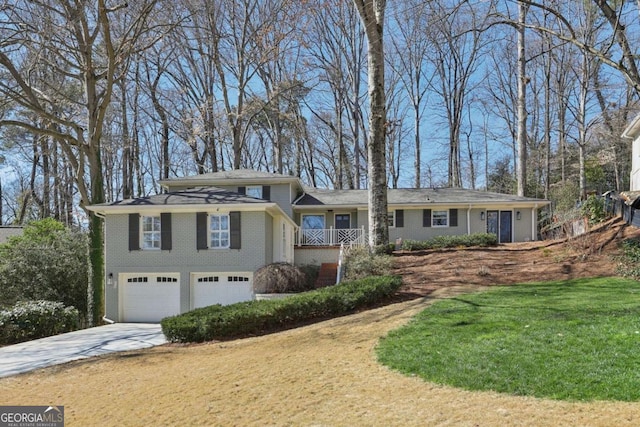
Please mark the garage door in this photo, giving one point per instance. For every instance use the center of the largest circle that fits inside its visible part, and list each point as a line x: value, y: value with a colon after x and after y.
x: 149, y: 297
x: 220, y: 288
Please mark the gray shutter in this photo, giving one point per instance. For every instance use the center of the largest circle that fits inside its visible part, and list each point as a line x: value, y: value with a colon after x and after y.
x: 399, y: 218
x: 165, y: 231
x: 426, y: 217
x: 453, y: 217
x: 266, y: 192
x: 234, y: 230
x: 202, y: 234
x: 134, y: 232
x: 242, y: 190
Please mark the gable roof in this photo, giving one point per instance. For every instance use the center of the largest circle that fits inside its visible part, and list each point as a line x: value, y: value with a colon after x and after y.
x: 243, y: 176
x: 413, y: 196
x: 185, y: 200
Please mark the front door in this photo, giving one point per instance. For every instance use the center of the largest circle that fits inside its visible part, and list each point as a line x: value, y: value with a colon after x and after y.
x: 343, y: 221
x: 343, y: 228
x: 499, y: 223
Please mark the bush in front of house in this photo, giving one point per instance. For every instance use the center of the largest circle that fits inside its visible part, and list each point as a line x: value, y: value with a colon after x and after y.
x: 29, y: 320
x: 280, y: 277
x: 360, y: 263
x: 249, y: 318
x: 442, y: 242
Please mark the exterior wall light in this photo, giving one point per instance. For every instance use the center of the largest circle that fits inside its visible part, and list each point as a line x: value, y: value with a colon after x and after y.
x: 482, y: 216
x: 518, y: 215
x: 110, y: 279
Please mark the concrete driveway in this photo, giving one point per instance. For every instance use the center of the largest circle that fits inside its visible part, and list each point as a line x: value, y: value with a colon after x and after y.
x: 27, y: 356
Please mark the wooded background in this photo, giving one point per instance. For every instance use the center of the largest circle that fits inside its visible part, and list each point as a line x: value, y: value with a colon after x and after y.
x: 101, y: 99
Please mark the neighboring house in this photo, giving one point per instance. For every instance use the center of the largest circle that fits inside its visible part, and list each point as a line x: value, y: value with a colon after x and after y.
x: 200, y: 242
x: 631, y: 199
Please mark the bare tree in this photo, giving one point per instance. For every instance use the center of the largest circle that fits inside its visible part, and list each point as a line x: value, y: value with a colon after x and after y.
x: 372, y: 15
x: 83, y: 48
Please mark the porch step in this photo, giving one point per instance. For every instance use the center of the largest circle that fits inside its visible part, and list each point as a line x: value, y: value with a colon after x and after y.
x: 327, y: 274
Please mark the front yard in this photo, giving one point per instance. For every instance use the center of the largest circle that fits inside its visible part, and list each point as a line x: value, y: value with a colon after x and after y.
x: 322, y: 374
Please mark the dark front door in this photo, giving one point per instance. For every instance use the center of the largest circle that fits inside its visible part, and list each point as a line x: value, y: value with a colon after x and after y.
x: 343, y: 221
x: 505, y: 226
x: 499, y: 223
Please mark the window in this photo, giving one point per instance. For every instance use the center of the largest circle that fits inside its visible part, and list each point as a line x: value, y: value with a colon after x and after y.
x: 313, y: 222
x: 219, y: 231
x: 440, y: 218
x: 254, y: 191
x: 151, y: 232
x: 391, y: 218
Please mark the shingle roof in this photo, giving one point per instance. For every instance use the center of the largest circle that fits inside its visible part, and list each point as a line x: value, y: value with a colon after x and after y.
x: 192, y: 196
x: 214, y: 178
x: 412, y: 196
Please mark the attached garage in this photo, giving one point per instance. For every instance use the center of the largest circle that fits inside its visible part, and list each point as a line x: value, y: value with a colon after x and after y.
x: 149, y: 297
x: 220, y: 288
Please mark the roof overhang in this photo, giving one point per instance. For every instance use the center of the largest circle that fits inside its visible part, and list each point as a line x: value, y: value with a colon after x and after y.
x: 632, y: 131
x: 272, y: 208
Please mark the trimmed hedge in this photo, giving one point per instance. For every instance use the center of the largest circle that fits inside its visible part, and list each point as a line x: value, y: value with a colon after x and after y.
x: 441, y: 242
x: 247, y: 318
x: 30, y: 320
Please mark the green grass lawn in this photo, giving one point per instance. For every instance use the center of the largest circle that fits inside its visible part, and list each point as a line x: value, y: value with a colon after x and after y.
x: 574, y: 340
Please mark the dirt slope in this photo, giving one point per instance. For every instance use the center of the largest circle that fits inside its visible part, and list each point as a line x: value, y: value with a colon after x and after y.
x: 590, y: 255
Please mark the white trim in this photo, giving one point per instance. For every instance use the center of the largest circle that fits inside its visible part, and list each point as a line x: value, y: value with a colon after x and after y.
x: 324, y: 220
x: 142, y: 232
x: 433, y: 225
x: 342, y: 213
x: 210, y: 231
x: 389, y: 217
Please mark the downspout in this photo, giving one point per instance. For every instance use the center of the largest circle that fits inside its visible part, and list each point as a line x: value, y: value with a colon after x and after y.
x: 469, y: 221
x: 534, y: 220
x: 104, y: 318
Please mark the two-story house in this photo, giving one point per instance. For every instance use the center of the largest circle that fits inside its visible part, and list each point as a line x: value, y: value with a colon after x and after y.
x: 200, y: 242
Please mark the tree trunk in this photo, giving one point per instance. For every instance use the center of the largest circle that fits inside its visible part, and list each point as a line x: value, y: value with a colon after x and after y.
x: 521, y: 173
x: 372, y: 16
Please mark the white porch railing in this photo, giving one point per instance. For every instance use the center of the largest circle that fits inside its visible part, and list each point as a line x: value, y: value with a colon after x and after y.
x: 330, y: 237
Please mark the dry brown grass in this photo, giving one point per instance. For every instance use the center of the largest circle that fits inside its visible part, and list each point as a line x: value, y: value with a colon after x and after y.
x: 321, y: 375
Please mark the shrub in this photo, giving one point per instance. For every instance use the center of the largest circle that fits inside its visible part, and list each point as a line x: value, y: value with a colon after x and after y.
x: 36, y: 319
x: 361, y: 263
x: 280, y: 277
x: 593, y: 209
x: 629, y: 265
x: 441, y: 242
x: 48, y: 262
x: 257, y: 317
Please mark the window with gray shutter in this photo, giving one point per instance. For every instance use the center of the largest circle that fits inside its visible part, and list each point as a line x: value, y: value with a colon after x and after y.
x: 134, y: 232
x: 165, y: 231
x: 234, y: 230
x: 202, y: 233
x: 426, y: 217
x: 399, y: 218
x: 453, y: 217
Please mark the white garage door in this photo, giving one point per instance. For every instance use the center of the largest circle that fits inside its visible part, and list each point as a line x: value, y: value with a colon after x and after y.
x: 220, y: 288
x: 149, y: 297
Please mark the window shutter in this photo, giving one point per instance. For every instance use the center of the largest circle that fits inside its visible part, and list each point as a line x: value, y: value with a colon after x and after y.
x: 453, y: 217
x: 266, y: 192
x: 426, y: 217
x: 242, y: 190
x: 234, y: 230
x: 202, y: 234
x: 399, y: 218
x: 165, y: 231
x: 134, y: 232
